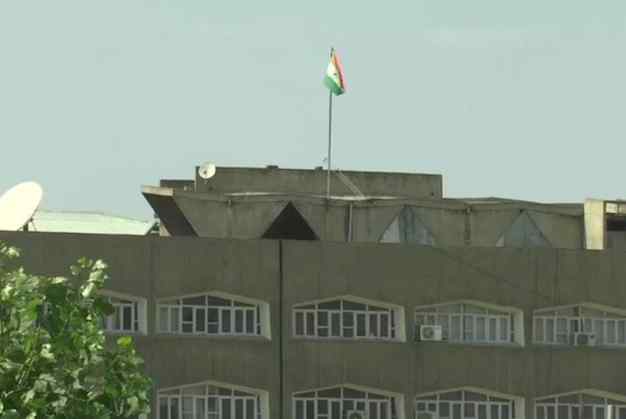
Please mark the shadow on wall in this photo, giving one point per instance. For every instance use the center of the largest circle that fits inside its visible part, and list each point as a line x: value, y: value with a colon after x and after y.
x: 290, y: 225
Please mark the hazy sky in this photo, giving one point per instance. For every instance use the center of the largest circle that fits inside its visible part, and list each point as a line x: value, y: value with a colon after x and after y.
x: 521, y: 99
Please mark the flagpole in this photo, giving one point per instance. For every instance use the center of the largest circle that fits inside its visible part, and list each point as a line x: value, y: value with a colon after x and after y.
x: 330, y: 136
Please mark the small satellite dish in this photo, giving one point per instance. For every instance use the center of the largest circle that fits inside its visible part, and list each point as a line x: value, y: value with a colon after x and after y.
x: 18, y: 205
x: 206, y: 171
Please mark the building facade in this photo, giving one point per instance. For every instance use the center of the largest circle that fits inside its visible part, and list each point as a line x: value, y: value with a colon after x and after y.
x: 272, y: 320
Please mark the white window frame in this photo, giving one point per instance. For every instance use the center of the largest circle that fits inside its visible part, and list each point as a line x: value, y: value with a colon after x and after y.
x: 563, y: 409
x: 374, y: 398
x: 551, y: 326
x: 384, y: 313
x: 257, y: 310
x: 175, y: 398
x: 494, y: 317
x: 432, y: 402
x: 138, y: 313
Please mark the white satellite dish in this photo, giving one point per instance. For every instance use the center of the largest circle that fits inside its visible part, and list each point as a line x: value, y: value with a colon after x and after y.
x: 18, y: 205
x: 206, y: 171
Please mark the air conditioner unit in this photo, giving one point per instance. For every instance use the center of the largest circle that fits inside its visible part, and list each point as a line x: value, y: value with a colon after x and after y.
x: 426, y: 415
x: 431, y: 333
x: 584, y: 339
x: 356, y: 414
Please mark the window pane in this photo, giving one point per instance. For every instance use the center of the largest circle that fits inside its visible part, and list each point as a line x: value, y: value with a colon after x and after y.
x: 539, y: 330
x: 598, y: 329
x: 163, y: 319
x: 504, y: 330
x: 310, y: 324
x: 300, y: 409
x: 455, y: 329
x: 468, y: 326
x: 495, y: 410
x: 250, y: 409
x: 128, y: 318
x: 384, y: 325
x: 373, y: 320
x: 360, y: 324
x: 310, y: 409
x: 611, y: 331
x: 480, y: 329
x: 175, y: 319
x: 173, y: 408
x: 322, y: 318
x: 493, y: 329
x: 187, y: 314
x: 226, y: 314
x: 200, y: 320
x: 250, y: 322
x: 239, y: 409
x: 335, y: 325
x: 621, y: 331
x: 238, y: 321
x: 226, y: 408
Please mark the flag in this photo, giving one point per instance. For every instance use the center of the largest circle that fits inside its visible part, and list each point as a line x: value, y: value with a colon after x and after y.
x: 334, y: 78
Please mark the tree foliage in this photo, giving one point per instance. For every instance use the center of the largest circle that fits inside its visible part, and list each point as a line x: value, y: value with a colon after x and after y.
x: 54, y: 362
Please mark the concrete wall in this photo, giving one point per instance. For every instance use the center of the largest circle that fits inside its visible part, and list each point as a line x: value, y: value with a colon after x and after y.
x: 451, y: 222
x: 299, y: 181
x: 285, y: 273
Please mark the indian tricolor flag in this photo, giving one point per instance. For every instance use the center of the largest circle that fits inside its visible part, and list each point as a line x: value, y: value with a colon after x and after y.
x: 334, y: 79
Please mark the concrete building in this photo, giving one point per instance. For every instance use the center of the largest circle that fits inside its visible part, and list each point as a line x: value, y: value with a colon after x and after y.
x: 263, y: 299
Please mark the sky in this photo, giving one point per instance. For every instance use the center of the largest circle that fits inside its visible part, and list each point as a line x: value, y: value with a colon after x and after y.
x: 505, y: 98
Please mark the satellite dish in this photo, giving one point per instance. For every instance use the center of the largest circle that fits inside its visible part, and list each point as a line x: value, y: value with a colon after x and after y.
x: 18, y: 205
x: 206, y: 171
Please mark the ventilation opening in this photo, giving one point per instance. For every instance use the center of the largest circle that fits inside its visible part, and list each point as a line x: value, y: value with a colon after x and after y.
x: 290, y: 225
x: 615, y: 223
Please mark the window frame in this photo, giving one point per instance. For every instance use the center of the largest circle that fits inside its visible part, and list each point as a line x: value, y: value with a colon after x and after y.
x: 238, y: 307
x: 513, y: 319
x: 389, y: 317
x: 544, y: 403
x: 433, y: 401
x: 394, y: 402
x: 259, y: 398
x: 139, y: 313
x: 579, y: 322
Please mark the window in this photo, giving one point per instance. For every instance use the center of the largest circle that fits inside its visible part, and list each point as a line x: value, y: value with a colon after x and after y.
x: 468, y: 404
x: 348, y: 318
x: 129, y: 314
x: 212, y: 400
x: 214, y: 314
x: 582, y: 405
x: 473, y: 322
x: 340, y: 402
x: 582, y: 324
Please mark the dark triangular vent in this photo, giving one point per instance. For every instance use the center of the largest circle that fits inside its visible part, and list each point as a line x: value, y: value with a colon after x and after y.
x: 290, y: 225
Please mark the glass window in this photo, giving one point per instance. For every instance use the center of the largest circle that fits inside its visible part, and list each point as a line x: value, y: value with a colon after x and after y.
x: 467, y: 323
x: 560, y: 326
x: 464, y: 405
x: 335, y: 403
x: 209, y: 315
x: 125, y: 316
x: 342, y: 318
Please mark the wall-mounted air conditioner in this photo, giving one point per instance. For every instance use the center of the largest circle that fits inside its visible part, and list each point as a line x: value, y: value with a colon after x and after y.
x: 431, y: 333
x: 584, y: 339
x: 356, y: 414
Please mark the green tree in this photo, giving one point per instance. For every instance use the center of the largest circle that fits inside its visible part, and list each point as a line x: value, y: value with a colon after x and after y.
x: 54, y: 361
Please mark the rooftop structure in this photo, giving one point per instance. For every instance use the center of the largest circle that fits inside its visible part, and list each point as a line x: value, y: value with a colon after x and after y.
x: 88, y: 223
